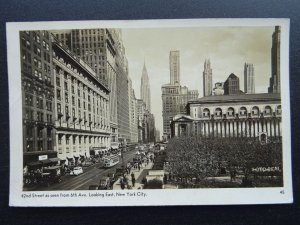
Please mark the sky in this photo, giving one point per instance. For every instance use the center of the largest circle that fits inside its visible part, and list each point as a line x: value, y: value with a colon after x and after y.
x: 228, y: 48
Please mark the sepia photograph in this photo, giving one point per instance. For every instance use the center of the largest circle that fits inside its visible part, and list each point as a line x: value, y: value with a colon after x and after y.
x: 116, y: 109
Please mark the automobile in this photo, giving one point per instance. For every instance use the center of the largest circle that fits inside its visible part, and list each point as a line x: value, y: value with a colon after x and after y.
x: 104, y: 184
x: 119, y: 172
x: 94, y: 187
x: 76, y: 171
x: 111, y: 177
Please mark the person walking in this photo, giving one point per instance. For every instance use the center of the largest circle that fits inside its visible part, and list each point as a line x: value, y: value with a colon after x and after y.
x: 132, y: 179
x: 122, y: 183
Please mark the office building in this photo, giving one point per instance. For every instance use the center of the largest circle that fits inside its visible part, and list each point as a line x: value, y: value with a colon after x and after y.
x: 232, y: 85
x: 145, y: 88
x: 275, y: 62
x: 174, y: 61
x: 207, y: 79
x: 82, y: 118
x: 37, y: 98
x: 249, y: 81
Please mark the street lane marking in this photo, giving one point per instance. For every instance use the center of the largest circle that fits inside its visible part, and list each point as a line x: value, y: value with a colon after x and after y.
x: 82, y: 184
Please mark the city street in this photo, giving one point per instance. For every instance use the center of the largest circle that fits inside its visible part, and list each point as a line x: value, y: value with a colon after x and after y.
x: 91, y: 176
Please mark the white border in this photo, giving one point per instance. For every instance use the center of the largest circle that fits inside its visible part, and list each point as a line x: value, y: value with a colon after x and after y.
x: 154, y: 197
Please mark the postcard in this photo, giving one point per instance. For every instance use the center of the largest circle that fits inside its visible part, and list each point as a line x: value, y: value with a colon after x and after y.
x: 149, y: 112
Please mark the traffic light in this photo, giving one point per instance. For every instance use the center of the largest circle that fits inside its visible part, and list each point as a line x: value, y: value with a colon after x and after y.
x: 263, y: 138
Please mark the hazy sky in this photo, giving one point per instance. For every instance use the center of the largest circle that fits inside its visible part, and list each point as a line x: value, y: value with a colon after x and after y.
x: 227, y: 48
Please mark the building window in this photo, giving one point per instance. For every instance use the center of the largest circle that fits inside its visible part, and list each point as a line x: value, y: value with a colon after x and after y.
x: 255, y: 111
x: 268, y: 110
x: 66, y: 98
x: 67, y: 110
x: 58, y: 94
x: 57, y: 81
x: 230, y: 112
x: 218, y: 112
x: 59, y: 139
x: 66, y: 86
x: 243, y: 111
x: 278, y: 110
x: 58, y: 108
x: 206, y: 112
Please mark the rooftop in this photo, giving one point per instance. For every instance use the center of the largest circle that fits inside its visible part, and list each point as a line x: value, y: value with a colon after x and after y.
x: 238, y: 98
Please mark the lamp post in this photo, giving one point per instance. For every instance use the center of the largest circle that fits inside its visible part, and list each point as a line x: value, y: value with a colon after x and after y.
x: 122, y: 154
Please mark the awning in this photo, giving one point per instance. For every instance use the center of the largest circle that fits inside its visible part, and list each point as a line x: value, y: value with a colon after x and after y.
x: 45, y: 161
x: 70, y: 159
x: 55, y: 159
x: 36, y: 163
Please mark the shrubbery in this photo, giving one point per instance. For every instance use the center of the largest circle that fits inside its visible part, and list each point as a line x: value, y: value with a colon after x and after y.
x: 205, y: 157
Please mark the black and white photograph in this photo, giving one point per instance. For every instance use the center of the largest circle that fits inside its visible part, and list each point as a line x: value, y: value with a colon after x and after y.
x: 158, y: 112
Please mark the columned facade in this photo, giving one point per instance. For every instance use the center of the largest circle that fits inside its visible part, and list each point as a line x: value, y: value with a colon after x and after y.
x: 81, y: 106
x: 231, y: 116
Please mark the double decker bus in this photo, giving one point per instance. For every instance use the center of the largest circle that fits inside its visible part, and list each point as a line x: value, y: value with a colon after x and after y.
x: 110, y: 161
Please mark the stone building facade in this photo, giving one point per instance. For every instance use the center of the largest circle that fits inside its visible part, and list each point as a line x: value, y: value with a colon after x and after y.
x: 82, y: 113
x: 231, y: 116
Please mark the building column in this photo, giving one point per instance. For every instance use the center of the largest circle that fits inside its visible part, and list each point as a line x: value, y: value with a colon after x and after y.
x: 279, y: 127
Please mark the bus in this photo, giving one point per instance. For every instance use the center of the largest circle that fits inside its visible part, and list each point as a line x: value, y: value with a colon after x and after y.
x: 110, y: 161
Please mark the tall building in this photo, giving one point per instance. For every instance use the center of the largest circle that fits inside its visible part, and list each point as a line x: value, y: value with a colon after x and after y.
x: 141, y: 112
x: 157, y: 135
x: 104, y: 52
x: 232, y: 85
x: 207, y: 79
x: 133, y: 117
x: 174, y: 96
x: 275, y: 62
x: 82, y: 115
x: 37, y: 97
x: 145, y: 88
x: 219, y: 88
x: 174, y: 61
x: 174, y: 100
x: 249, y: 82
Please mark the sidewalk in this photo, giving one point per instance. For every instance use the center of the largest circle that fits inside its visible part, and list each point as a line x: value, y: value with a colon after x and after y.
x: 138, y: 177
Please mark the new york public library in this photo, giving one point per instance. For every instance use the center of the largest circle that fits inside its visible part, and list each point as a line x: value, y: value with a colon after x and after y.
x: 234, y: 138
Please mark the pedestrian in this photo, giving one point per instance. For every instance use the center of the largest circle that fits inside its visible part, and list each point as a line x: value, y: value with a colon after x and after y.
x: 122, y: 184
x: 132, y: 179
x: 139, y: 167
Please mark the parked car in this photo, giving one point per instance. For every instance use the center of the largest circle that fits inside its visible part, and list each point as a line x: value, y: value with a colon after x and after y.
x: 94, y: 187
x: 76, y: 171
x: 104, y: 184
x: 119, y: 172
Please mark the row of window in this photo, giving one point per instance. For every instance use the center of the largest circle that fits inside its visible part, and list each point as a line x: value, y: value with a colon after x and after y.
x: 29, y: 115
x: 242, y: 111
x: 39, y: 102
x: 80, y: 140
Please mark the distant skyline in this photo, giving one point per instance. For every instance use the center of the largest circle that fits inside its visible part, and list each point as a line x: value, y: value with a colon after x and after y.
x: 228, y: 49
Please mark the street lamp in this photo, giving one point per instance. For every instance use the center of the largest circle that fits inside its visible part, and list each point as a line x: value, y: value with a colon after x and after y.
x: 123, y: 146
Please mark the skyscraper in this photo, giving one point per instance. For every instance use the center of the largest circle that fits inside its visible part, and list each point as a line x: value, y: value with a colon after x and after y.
x: 249, y: 83
x: 145, y: 88
x: 207, y: 79
x: 174, y: 60
x: 275, y: 62
x: 232, y: 85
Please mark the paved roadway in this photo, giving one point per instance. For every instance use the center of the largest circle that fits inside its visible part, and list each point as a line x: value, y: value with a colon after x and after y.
x: 90, y: 176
